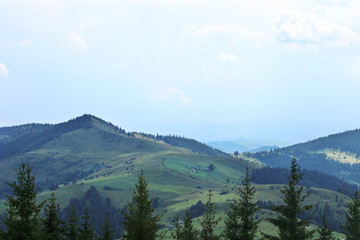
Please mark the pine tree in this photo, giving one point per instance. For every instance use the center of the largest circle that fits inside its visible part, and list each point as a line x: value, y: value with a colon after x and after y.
x: 187, y: 230
x: 87, y: 230
x: 140, y: 224
x: 325, y: 233
x: 72, y: 229
x: 288, y: 222
x: 240, y: 222
x: 352, y: 225
x: 107, y: 231
x: 53, y: 229
x: 23, y: 220
x: 209, y: 221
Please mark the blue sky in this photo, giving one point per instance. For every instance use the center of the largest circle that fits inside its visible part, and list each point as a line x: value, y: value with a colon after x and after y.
x: 207, y: 69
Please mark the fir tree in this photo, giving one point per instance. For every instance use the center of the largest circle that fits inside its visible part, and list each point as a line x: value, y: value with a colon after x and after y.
x: 53, y: 229
x: 72, y: 229
x: 107, y: 231
x: 352, y: 225
x: 87, y: 230
x: 209, y: 222
x: 187, y: 230
x: 140, y: 224
x: 23, y: 220
x: 325, y: 233
x: 288, y: 222
x: 240, y: 222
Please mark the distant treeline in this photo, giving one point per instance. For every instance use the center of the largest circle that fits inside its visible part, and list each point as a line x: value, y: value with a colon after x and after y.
x: 187, y: 143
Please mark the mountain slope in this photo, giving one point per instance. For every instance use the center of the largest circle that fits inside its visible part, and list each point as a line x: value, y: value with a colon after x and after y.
x: 88, y: 147
x: 336, y: 154
x: 70, y: 157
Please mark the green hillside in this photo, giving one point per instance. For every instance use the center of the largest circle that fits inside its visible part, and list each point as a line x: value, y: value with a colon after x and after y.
x: 70, y: 157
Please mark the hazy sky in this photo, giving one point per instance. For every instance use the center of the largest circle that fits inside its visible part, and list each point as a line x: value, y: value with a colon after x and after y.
x: 208, y: 69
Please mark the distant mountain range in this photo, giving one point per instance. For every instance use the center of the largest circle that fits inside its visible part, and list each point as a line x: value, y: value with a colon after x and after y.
x: 246, y: 145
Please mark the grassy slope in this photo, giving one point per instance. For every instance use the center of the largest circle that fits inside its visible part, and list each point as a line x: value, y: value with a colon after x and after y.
x: 168, y: 169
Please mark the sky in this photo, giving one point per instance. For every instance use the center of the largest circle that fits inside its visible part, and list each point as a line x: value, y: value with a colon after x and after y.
x: 284, y: 70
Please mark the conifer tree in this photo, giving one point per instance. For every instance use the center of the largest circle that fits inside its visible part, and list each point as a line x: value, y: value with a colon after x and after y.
x: 107, y: 231
x: 288, y: 223
x: 87, y: 230
x: 72, y: 229
x: 352, y: 224
x: 140, y: 224
x: 187, y: 230
x: 241, y: 222
x: 53, y: 229
x: 23, y: 220
x: 325, y: 233
x: 209, y: 221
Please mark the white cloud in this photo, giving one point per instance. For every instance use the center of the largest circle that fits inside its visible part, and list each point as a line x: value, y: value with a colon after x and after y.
x: 3, y: 70
x: 76, y: 42
x: 172, y: 94
x: 229, y: 57
x: 308, y: 30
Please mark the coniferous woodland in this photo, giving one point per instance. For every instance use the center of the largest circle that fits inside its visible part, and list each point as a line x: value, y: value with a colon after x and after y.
x: 25, y: 219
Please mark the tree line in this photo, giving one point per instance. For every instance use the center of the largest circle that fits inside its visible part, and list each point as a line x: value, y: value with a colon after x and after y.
x: 23, y: 220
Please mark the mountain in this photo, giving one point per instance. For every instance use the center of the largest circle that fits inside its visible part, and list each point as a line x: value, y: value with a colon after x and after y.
x: 85, y: 152
x: 336, y: 154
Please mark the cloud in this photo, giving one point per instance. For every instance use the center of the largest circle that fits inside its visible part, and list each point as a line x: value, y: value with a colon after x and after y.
x: 307, y: 30
x: 172, y: 94
x: 229, y: 57
x: 3, y: 70
x: 76, y: 42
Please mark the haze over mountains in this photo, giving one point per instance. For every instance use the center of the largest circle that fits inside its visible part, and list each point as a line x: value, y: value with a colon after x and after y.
x: 70, y: 157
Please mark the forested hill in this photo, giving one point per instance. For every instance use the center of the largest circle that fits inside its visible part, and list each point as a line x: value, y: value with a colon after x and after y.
x: 337, y: 154
x: 348, y: 141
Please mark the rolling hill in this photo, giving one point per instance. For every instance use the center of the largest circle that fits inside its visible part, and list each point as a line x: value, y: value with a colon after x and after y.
x: 72, y: 157
x: 337, y: 154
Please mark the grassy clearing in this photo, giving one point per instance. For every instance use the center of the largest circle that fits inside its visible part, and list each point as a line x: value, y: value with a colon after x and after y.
x: 343, y: 157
